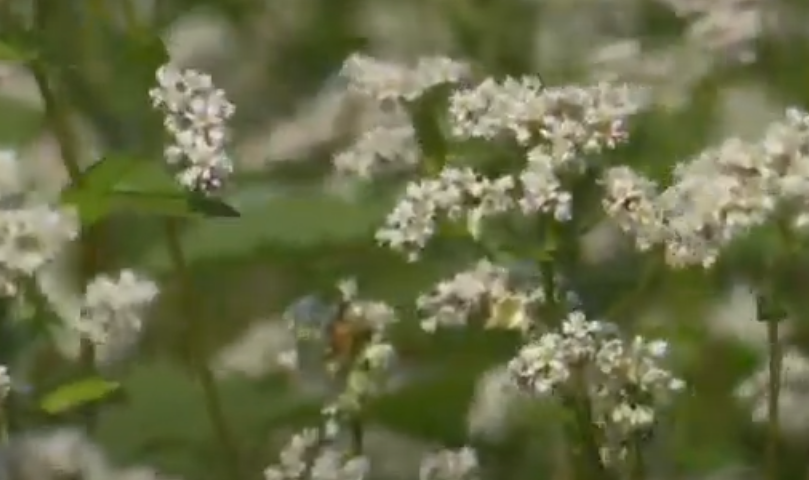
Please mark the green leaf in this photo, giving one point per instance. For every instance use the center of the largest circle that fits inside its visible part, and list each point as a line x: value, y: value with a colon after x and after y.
x: 121, y: 183
x: 212, y: 207
x: 13, y: 53
x: 77, y: 394
x: 299, y: 216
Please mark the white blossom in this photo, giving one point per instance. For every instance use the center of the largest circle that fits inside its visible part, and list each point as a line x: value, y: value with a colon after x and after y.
x: 196, y: 116
x: 461, y: 464
x: 387, y: 81
x: 112, y: 308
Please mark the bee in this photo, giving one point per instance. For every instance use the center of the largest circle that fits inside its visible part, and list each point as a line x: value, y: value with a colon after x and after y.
x: 347, y: 334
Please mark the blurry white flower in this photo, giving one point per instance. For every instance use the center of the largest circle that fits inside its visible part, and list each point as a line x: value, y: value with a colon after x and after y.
x: 5, y: 383
x: 262, y: 348
x: 793, y: 416
x: 384, y: 81
x: 461, y: 464
x: 30, y: 237
x: 55, y: 454
x: 112, y: 309
x: 493, y: 404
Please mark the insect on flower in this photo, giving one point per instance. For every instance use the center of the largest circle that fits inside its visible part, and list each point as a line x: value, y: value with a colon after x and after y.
x: 347, y: 333
x: 509, y: 312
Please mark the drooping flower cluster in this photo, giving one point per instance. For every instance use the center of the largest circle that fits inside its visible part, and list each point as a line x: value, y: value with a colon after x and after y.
x: 112, y: 308
x: 196, y: 116
x: 452, y: 302
x: 624, y: 379
x: 31, y: 235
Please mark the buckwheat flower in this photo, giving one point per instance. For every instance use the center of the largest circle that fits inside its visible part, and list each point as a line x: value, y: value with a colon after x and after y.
x: 10, y: 174
x: 295, y: 456
x: 5, y: 383
x: 452, y: 302
x: 716, y: 197
x: 386, y: 81
x: 629, y: 199
x: 456, y: 195
x: 632, y: 382
x: 196, y: 116
x: 381, y: 149
x: 588, y: 118
x: 334, y: 465
x: 461, y: 464
x: 793, y: 417
x: 30, y: 237
x: 542, y: 190
x: 55, y: 454
x: 111, y: 312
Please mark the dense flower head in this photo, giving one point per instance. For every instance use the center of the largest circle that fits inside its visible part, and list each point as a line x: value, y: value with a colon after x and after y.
x: 456, y: 194
x: 31, y: 233
x: 718, y: 196
x: 452, y: 302
x: 624, y: 378
x: 196, y: 116
x: 112, y: 308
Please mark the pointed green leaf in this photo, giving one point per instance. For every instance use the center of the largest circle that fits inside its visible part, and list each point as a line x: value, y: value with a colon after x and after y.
x: 212, y: 207
x: 77, y: 394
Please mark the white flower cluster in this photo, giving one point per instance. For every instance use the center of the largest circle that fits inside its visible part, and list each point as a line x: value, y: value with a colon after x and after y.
x: 64, y: 453
x: 5, y: 383
x: 458, y: 194
x: 196, y: 116
x: 728, y: 27
x: 308, y: 456
x: 461, y: 464
x: 112, y: 307
x: 380, y: 149
x: 717, y: 196
x: 624, y: 379
x: 792, y: 398
x: 31, y: 235
x: 452, y: 302
x: 391, y: 145
x: 386, y: 81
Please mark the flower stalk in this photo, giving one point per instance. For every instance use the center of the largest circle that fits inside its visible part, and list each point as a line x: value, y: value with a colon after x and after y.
x: 57, y: 118
x: 191, y: 317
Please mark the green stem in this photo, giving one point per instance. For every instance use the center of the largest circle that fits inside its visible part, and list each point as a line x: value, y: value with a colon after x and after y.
x: 192, y: 317
x: 637, y: 464
x: 57, y: 118
x: 773, y: 397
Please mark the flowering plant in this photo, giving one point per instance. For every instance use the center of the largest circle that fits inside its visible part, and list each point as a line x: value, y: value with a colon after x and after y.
x: 514, y: 169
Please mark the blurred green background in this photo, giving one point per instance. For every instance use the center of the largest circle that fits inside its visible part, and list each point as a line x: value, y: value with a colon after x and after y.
x: 301, y: 231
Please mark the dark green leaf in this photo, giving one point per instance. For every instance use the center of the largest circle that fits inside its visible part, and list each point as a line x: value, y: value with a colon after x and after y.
x: 212, y: 207
x: 78, y: 394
